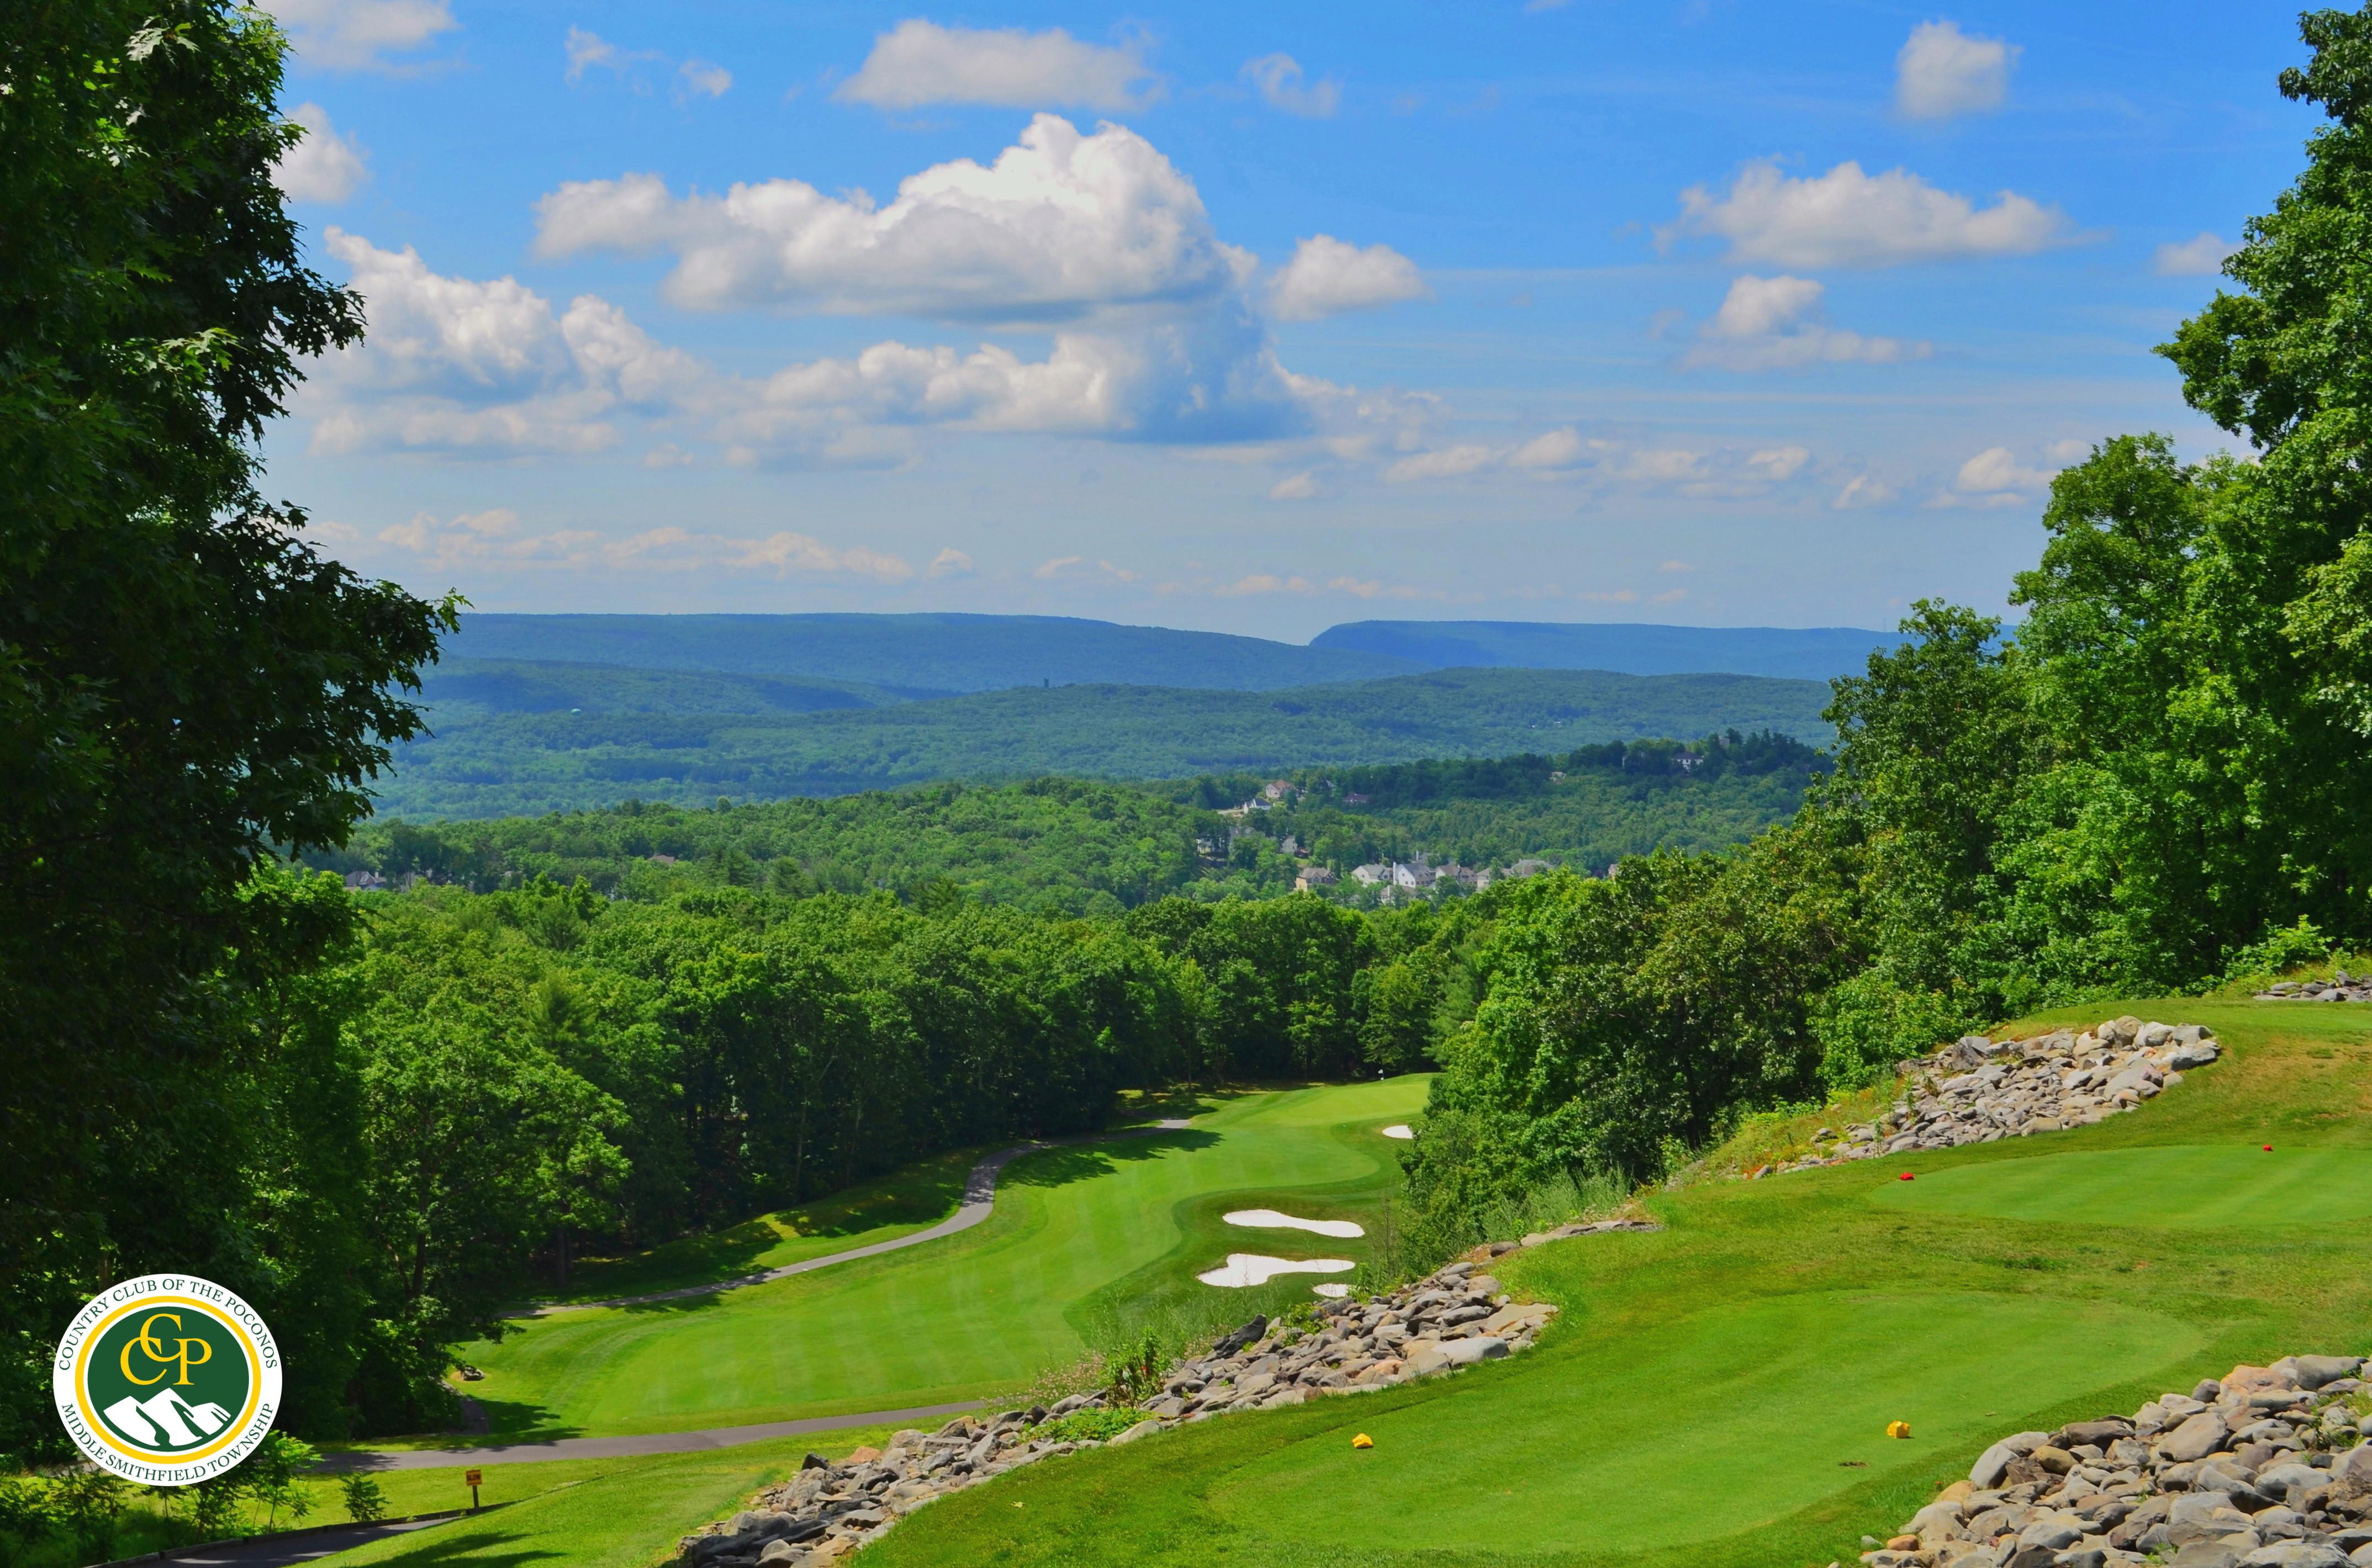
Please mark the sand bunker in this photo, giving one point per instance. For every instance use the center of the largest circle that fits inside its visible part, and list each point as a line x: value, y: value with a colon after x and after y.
x: 1332, y: 1290
x: 1270, y: 1219
x: 1251, y: 1269
x: 1400, y: 1130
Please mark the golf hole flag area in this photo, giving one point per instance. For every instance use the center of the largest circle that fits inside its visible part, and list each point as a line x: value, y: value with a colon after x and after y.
x: 1720, y: 1392
x: 970, y: 1316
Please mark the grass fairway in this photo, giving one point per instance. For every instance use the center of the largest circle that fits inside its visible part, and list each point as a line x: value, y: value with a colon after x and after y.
x: 1115, y: 1228
x: 2181, y: 1187
x: 1717, y: 1392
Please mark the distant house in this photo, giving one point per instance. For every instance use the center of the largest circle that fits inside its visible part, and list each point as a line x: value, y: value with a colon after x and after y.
x: 662, y: 860
x: 1289, y: 845
x: 1458, y: 875
x: 1276, y: 789
x: 365, y: 881
x: 1528, y: 868
x: 1354, y: 798
x: 1368, y: 876
x: 1311, y: 876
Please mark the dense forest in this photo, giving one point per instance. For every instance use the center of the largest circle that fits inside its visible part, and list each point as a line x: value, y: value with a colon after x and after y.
x: 1072, y: 846
x: 624, y: 732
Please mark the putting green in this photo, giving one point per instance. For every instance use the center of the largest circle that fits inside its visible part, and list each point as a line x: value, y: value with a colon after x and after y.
x: 977, y: 1313
x: 1607, y: 1431
x: 2174, y: 1186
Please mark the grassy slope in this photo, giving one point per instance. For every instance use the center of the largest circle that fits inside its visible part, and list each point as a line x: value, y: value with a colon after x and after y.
x: 528, y: 763
x: 1077, y: 1232
x: 1716, y: 1392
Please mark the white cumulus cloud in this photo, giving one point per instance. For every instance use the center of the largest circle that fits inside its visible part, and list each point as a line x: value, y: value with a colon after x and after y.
x: 1995, y: 477
x: 920, y: 63
x: 494, y: 538
x: 1060, y: 224
x: 1328, y: 276
x: 1294, y: 487
x: 704, y: 79
x: 2196, y: 257
x: 1943, y: 72
x: 1280, y: 80
x: 324, y: 167
x: 347, y: 35
x: 1556, y: 449
x: 1774, y: 324
x: 1863, y: 490
x: 951, y: 562
x: 1848, y: 218
x: 1447, y: 463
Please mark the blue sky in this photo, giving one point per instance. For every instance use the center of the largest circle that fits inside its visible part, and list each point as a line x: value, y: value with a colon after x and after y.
x: 1255, y: 319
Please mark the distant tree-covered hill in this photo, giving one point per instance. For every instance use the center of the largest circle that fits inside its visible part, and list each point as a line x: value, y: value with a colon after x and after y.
x: 1815, y: 653
x: 929, y: 652
x: 1077, y: 846
x: 485, y: 764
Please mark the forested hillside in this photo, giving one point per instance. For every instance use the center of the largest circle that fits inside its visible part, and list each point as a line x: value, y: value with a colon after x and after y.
x: 1812, y: 653
x: 1076, y: 846
x: 494, y: 764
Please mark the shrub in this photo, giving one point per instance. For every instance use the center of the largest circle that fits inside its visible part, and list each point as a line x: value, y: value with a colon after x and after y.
x: 366, y: 1500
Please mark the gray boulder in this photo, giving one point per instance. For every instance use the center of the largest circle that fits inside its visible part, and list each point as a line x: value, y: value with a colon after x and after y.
x: 2295, y: 1554
x: 2197, y: 1437
x: 1986, y: 1473
x: 2314, y: 1371
x: 2199, y: 1053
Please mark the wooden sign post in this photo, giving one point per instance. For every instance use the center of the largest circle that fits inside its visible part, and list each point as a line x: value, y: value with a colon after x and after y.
x: 472, y: 1478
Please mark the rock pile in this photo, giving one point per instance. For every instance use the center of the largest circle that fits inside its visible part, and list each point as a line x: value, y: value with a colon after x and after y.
x: 2339, y: 987
x: 1978, y: 1090
x: 1454, y: 1316
x: 2265, y: 1468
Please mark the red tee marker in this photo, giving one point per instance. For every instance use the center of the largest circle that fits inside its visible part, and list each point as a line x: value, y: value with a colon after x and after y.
x: 1906, y: 1175
x: 2269, y: 1148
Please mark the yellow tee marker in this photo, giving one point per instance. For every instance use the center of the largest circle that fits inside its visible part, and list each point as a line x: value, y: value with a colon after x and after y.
x: 1362, y: 1441
x: 1897, y: 1429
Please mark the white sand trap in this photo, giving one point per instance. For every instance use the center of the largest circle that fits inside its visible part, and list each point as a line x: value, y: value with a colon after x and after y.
x: 1332, y: 1290
x: 1250, y: 1268
x: 1270, y: 1219
x: 1400, y: 1130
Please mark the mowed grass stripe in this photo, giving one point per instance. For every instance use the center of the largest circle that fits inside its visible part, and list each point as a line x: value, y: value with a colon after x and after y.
x: 971, y: 1316
x: 2184, y: 1186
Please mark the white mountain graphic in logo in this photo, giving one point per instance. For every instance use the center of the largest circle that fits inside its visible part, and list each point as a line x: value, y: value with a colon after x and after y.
x: 166, y: 1420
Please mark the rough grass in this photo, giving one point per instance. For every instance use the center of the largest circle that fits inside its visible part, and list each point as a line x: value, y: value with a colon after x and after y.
x: 1089, y: 1244
x: 1716, y: 1392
